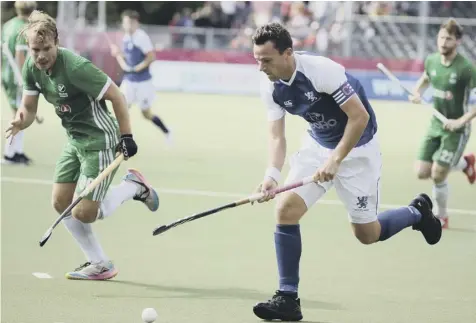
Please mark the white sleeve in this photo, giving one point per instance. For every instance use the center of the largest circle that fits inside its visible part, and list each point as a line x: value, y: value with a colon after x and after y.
x: 144, y: 42
x: 275, y: 112
x: 330, y: 78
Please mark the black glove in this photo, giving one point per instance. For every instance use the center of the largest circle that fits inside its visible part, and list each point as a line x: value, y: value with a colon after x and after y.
x: 127, y: 146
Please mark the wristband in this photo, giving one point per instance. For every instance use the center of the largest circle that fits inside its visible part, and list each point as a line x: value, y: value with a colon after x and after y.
x: 274, y: 173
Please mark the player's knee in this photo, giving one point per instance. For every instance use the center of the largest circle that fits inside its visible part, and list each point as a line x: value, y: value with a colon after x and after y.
x: 423, y: 174
x: 423, y: 171
x: 147, y: 114
x: 86, y: 212
x: 290, y: 210
x: 60, y: 204
x: 365, y: 238
x: 438, y: 175
x: 367, y: 233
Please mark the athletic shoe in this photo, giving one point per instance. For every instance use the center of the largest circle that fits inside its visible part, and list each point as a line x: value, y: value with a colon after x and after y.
x: 282, y: 306
x: 146, y: 193
x: 94, y: 271
x: 429, y: 224
x: 470, y: 170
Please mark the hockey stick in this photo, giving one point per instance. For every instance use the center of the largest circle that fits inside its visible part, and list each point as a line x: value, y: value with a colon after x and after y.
x: 250, y: 199
x: 101, y: 177
x: 17, y: 73
x: 393, y: 78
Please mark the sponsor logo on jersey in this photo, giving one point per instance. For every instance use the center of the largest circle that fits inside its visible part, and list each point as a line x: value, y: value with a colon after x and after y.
x: 288, y: 103
x: 445, y: 95
x: 318, y: 121
x: 453, y: 78
x: 63, y: 108
x: 62, y: 91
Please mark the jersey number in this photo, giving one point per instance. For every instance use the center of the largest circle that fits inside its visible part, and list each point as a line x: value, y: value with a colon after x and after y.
x: 447, y: 156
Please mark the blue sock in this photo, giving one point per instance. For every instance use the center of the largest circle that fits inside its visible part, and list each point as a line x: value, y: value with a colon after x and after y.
x: 287, y: 240
x: 394, y: 221
x: 156, y: 120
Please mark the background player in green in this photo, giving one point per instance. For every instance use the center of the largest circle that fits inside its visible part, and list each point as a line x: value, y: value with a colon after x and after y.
x: 452, y: 77
x: 77, y: 89
x: 13, y: 153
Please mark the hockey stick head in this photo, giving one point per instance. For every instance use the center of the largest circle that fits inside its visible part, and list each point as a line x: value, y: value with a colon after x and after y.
x: 45, y: 237
x: 160, y: 230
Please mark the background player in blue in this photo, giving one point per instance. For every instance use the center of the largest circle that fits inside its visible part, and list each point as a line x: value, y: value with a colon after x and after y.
x: 135, y: 59
x: 341, y: 150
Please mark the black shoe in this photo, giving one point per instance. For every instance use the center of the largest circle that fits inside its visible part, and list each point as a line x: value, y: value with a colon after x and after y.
x: 11, y: 160
x: 281, y: 307
x: 23, y: 159
x: 429, y: 224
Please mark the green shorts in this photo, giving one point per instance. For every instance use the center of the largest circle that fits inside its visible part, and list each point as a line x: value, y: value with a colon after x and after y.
x: 13, y: 94
x: 445, y: 148
x: 81, y: 166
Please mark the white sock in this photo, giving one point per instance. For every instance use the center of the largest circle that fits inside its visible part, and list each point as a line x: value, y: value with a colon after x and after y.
x: 461, y: 165
x: 440, y: 195
x: 85, y: 237
x: 115, y: 197
x: 9, y: 149
x: 18, y: 142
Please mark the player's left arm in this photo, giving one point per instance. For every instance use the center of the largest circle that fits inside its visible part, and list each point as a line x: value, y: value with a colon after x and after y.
x: 335, y: 83
x: 456, y: 124
x: 94, y: 82
x: 145, y: 44
x: 358, y: 119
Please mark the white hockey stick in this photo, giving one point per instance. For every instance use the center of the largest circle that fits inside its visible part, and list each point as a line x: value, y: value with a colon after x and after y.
x: 393, y: 78
x: 16, y: 72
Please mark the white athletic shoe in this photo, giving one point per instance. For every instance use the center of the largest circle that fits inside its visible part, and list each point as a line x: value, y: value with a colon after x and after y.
x: 94, y: 271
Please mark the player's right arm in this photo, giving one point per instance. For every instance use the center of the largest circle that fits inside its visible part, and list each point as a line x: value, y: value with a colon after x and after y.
x: 420, y: 87
x: 115, y: 52
x: 26, y: 113
x: 276, y: 145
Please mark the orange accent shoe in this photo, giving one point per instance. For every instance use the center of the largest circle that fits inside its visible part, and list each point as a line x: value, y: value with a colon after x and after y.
x: 470, y: 170
x: 444, y: 222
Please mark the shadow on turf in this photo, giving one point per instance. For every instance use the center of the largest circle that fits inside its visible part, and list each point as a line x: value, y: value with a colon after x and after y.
x: 189, y: 292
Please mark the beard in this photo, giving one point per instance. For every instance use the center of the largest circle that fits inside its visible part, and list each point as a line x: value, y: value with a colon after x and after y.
x: 447, y: 51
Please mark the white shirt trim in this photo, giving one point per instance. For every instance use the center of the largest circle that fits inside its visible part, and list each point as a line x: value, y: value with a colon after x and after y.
x: 31, y: 92
x: 104, y: 89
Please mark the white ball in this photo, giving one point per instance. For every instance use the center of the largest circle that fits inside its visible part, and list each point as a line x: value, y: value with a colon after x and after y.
x: 149, y: 315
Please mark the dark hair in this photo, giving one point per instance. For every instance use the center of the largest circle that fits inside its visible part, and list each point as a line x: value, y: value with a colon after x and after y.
x: 131, y: 14
x: 275, y: 33
x: 453, y: 28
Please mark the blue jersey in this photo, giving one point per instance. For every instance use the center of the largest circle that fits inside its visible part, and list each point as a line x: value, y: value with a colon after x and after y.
x: 315, y: 92
x: 135, y: 48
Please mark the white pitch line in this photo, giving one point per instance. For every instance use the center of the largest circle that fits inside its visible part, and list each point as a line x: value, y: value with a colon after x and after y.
x: 42, y: 275
x: 213, y: 194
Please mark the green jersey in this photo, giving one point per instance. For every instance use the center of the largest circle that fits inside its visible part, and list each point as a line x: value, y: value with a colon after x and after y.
x: 75, y: 87
x: 10, y: 31
x: 452, y: 84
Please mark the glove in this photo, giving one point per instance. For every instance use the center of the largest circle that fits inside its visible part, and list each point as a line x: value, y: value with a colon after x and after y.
x: 127, y: 146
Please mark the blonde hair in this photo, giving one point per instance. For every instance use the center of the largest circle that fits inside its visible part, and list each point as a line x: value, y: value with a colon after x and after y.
x: 453, y: 28
x: 42, y: 25
x: 25, y: 8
